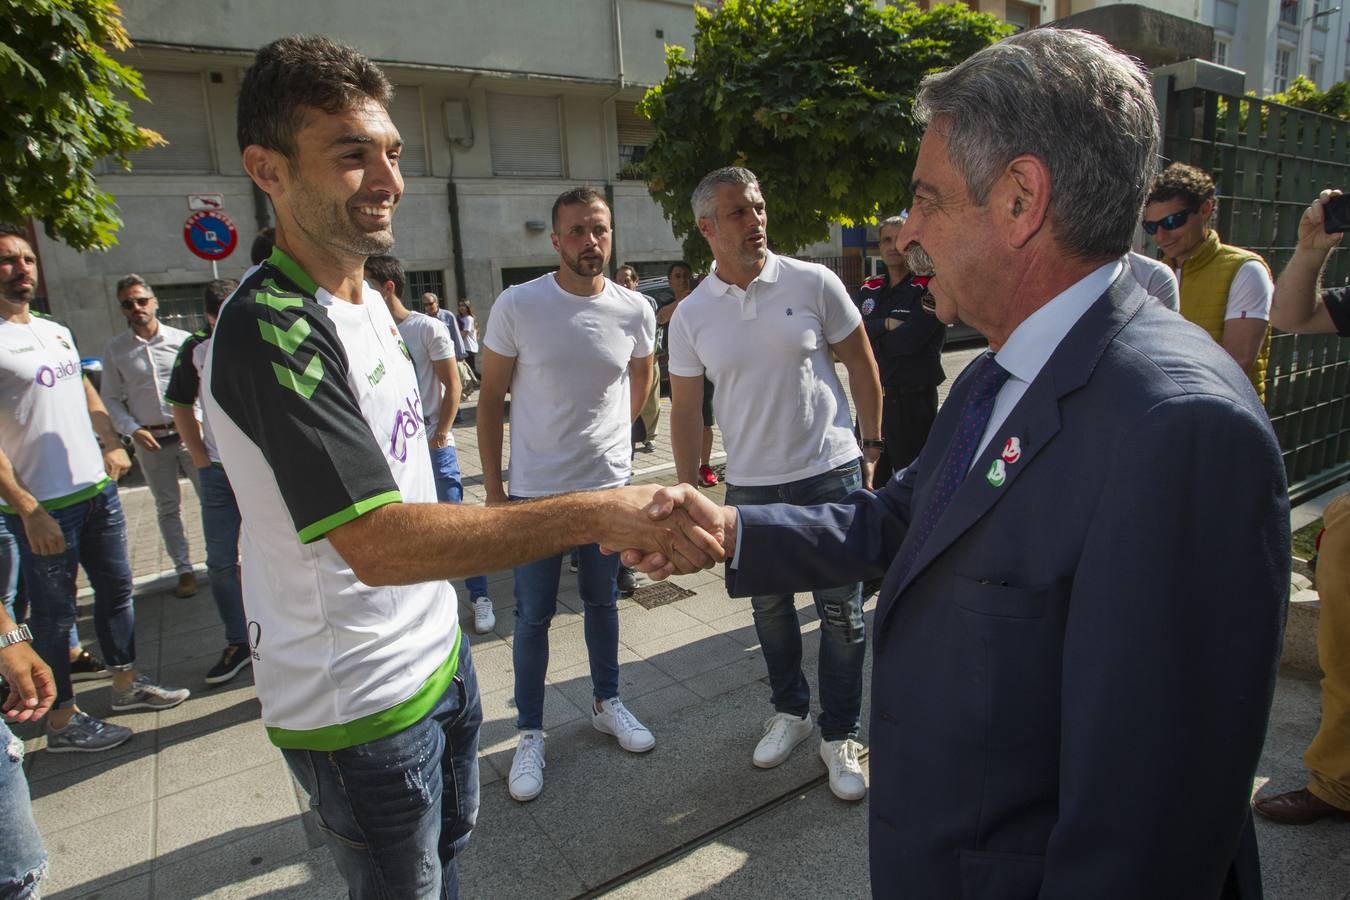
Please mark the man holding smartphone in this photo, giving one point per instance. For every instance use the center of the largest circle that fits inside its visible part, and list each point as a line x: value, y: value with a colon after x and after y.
x: 1302, y: 307
x: 1224, y: 289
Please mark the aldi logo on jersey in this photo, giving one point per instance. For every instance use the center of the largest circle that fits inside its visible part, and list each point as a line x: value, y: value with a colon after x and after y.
x: 408, y: 422
x: 48, y: 376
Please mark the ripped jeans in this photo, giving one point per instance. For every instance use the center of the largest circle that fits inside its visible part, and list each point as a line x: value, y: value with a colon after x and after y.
x: 397, y: 811
x: 23, y: 862
x: 843, y: 641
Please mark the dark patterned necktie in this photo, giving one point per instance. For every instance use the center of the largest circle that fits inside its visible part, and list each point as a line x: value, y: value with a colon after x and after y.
x: 985, y: 384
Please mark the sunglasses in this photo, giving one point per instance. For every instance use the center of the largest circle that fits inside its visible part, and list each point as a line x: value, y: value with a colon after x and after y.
x: 1168, y: 223
x: 133, y: 302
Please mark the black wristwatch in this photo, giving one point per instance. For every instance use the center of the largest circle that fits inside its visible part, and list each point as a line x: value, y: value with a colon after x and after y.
x: 868, y: 444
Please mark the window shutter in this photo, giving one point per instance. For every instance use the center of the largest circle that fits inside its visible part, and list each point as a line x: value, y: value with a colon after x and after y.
x: 177, y: 110
x: 405, y: 111
x: 525, y: 135
x: 634, y: 130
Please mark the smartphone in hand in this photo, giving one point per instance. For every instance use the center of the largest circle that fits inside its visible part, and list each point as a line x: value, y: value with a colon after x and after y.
x: 1336, y: 214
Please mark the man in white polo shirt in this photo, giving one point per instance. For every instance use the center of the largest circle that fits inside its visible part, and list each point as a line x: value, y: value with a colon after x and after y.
x: 763, y: 327
x: 575, y: 350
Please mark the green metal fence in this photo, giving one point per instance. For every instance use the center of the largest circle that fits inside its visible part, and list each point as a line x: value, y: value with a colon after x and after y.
x: 1269, y: 161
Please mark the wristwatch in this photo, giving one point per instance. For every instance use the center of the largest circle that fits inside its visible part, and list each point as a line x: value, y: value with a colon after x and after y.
x: 17, y: 636
x: 868, y: 444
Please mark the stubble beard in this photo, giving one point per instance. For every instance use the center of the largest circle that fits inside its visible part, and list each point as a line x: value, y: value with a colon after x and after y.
x: 331, y: 224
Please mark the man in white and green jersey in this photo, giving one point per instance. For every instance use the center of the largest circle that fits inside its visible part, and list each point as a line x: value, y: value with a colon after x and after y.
x: 60, y: 502
x: 366, y: 680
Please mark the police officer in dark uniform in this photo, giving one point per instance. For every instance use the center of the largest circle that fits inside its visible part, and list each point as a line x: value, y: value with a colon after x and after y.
x: 907, y: 343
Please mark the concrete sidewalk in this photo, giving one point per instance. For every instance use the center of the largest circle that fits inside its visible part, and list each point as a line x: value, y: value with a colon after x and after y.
x: 200, y: 804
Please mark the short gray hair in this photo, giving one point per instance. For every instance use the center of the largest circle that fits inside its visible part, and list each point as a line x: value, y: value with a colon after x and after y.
x: 131, y: 281
x: 704, y: 200
x: 1072, y: 101
x: 891, y: 220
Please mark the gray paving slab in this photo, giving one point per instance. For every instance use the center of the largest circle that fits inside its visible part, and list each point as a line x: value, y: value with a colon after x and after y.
x: 252, y: 800
x: 248, y: 866
x: 101, y: 850
x: 698, y: 777
x: 808, y: 846
x: 212, y: 755
x: 511, y: 856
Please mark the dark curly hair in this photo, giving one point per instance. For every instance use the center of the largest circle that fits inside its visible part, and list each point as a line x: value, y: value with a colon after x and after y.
x: 1180, y: 180
x: 297, y: 73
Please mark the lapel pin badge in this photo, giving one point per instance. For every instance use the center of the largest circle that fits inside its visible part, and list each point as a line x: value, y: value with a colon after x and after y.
x: 1012, y: 451
x: 997, y: 474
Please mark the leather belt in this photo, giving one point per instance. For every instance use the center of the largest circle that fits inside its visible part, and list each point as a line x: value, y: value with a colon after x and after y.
x: 162, y: 430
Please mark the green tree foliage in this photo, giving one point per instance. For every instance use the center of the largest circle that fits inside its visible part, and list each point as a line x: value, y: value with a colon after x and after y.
x: 814, y: 96
x: 61, y: 110
x: 1303, y: 93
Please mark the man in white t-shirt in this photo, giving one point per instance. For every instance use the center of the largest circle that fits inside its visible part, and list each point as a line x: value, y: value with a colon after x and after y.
x: 763, y: 327
x: 431, y: 347
x: 575, y: 351
x: 1224, y: 289
x: 365, y: 680
x: 62, y: 506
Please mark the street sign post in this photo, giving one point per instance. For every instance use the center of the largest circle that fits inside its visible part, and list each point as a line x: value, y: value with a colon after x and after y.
x: 211, y: 235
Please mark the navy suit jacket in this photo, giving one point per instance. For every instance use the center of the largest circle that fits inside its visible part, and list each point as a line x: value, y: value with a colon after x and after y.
x: 1070, y: 688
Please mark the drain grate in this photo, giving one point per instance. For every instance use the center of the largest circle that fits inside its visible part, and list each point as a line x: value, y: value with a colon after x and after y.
x: 650, y: 596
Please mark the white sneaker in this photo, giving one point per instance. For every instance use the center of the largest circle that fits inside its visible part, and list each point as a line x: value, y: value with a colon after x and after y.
x: 614, y: 718
x: 527, y: 768
x: 846, y: 776
x: 483, y: 616
x: 782, y: 732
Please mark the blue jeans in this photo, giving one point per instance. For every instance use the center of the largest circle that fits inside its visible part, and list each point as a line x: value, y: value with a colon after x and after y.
x: 220, y: 522
x: 396, y: 812
x: 23, y: 862
x: 12, y: 593
x: 842, y: 639
x: 449, y: 489
x: 96, y: 538
x: 537, y: 601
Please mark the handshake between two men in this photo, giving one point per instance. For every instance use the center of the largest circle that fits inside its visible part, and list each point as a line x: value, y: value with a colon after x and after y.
x: 685, y: 532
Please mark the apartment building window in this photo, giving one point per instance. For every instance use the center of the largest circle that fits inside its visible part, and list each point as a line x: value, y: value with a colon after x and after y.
x: 1315, y: 71
x: 635, y: 136
x: 1221, y: 52
x: 1289, y: 12
x: 525, y: 135
x: 182, y: 305
x: 406, y: 113
x: 177, y: 110
x: 1225, y: 17
x: 1022, y: 16
x: 426, y: 281
x: 1283, y: 56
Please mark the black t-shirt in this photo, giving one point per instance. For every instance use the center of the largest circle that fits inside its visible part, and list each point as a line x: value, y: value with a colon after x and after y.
x: 1337, y: 301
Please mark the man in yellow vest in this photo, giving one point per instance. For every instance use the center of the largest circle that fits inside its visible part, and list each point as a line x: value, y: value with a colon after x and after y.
x: 1225, y: 290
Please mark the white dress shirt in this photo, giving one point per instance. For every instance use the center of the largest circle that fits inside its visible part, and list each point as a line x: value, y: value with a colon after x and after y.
x: 135, y: 375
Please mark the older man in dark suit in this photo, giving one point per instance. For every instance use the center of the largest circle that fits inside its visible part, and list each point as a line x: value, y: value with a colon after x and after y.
x: 1086, y: 567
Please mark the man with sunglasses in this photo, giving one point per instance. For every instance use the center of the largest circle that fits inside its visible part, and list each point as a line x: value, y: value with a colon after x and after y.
x: 137, y: 365
x: 1224, y: 289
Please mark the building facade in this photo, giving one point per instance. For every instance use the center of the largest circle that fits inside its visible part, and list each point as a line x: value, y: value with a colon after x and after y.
x: 501, y: 106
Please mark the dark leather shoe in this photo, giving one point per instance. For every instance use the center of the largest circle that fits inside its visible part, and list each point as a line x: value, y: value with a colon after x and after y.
x: 1300, y: 807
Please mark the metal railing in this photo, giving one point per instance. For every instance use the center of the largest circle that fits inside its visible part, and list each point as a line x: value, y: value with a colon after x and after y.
x: 1269, y: 161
